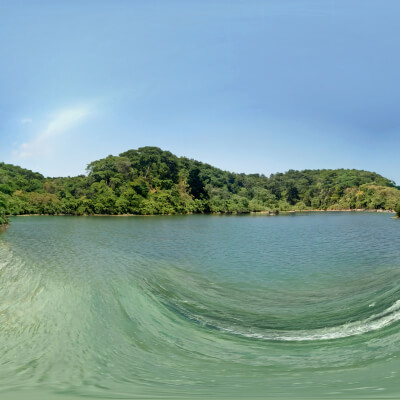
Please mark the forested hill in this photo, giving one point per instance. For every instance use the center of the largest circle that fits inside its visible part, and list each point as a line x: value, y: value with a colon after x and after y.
x: 152, y: 181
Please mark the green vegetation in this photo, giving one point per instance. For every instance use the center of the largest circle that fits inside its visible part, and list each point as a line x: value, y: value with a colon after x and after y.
x: 3, y: 218
x: 152, y: 181
x: 398, y: 211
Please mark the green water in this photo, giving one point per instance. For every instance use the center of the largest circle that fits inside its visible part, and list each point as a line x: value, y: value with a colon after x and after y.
x: 295, y: 306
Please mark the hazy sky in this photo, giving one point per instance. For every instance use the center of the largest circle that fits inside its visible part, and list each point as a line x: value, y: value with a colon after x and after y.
x: 248, y: 86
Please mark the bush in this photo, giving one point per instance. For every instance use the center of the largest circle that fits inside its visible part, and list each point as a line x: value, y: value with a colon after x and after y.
x: 3, y: 218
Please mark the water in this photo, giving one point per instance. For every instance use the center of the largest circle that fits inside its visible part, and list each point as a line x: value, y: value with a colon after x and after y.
x: 297, y: 306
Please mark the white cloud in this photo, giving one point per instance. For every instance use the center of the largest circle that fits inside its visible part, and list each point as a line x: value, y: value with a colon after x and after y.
x: 26, y: 121
x: 44, y: 142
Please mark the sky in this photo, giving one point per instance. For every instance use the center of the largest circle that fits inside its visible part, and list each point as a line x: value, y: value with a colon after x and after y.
x: 247, y: 86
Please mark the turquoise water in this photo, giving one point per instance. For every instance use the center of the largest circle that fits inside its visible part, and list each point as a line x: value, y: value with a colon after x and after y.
x: 296, y: 306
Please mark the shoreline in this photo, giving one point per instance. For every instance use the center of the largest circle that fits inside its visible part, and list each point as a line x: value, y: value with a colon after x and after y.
x: 269, y: 213
x: 342, y: 210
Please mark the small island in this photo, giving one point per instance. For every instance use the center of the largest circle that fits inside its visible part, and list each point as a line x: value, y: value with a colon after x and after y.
x: 151, y: 181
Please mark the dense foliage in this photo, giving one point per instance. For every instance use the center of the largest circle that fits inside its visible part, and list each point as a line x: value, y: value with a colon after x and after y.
x: 398, y: 211
x: 3, y: 218
x: 152, y: 181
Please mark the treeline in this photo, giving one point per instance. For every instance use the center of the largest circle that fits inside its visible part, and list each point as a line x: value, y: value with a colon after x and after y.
x: 152, y: 181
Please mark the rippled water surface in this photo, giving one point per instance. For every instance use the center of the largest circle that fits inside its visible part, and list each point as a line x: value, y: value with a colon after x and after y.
x: 201, y: 307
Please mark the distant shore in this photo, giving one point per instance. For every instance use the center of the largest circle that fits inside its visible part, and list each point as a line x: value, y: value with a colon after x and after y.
x: 219, y: 213
x: 340, y: 210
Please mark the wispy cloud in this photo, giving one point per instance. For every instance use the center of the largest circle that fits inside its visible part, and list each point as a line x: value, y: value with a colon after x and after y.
x: 45, y: 141
x: 26, y: 121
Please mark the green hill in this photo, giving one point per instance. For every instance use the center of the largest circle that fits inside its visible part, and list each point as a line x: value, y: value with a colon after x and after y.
x: 152, y: 181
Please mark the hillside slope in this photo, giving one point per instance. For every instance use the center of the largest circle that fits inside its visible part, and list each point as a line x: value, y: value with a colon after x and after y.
x: 152, y: 181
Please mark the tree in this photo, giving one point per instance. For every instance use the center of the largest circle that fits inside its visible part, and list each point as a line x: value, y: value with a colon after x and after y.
x: 3, y: 208
x: 196, y: 184
x: 150, y: 180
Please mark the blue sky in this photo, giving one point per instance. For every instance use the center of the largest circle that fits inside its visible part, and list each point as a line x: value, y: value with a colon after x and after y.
x: 248, y: 86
